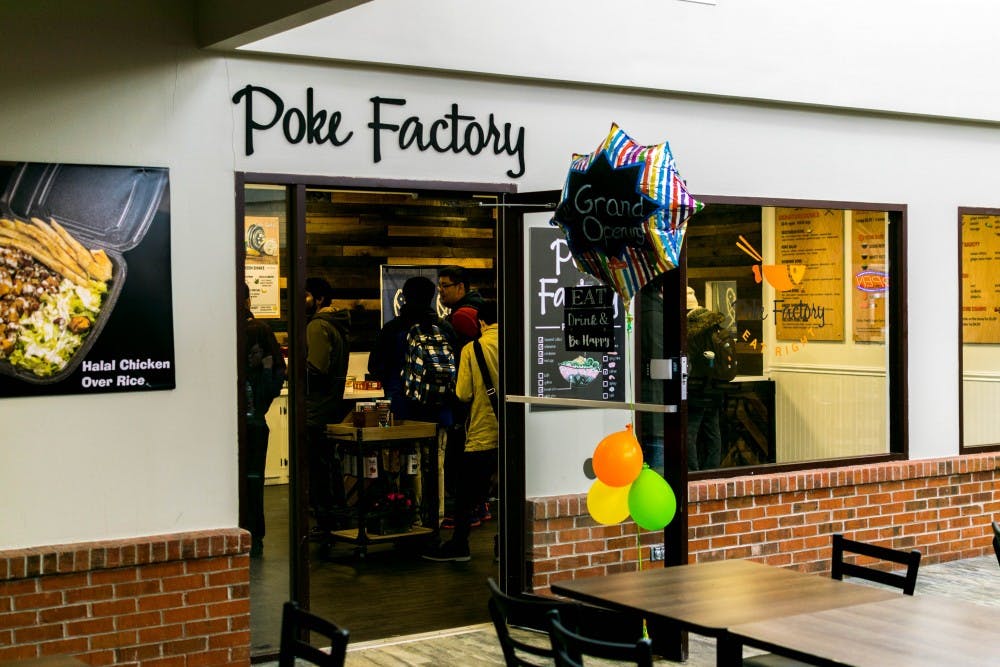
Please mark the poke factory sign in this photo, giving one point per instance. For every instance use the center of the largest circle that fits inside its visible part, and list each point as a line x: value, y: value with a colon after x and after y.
x: 305, y: 121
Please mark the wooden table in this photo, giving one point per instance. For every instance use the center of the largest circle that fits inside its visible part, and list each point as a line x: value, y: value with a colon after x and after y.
x: 906, y: 630
x: 362, y: 440
x: 709, y: 598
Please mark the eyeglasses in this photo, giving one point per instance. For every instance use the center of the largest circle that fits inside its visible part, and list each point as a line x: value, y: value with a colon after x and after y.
x: 446, y: 285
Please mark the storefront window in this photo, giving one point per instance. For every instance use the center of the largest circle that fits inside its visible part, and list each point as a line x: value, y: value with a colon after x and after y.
x: 980, y: 331
x: 804, y: 292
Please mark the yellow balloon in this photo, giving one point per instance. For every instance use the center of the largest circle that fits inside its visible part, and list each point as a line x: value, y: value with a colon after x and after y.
x: 608, y: 504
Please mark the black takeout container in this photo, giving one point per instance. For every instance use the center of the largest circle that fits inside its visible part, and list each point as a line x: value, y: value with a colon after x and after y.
x: 103, y: 207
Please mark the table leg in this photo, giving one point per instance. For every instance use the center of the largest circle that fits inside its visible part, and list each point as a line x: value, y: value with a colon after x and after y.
x: 728, y: 651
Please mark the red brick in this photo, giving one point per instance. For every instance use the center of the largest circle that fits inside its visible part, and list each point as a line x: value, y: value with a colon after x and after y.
x: 64, y: 646
x: 185, y: 582
x: 210, y: 626
x: 113, y: 607
x: 37, y: 600
x: 206, y: 595
x: 186, y: 613
x: 182, y: 646
x: 141, y: 620
x: 114, y: 576
x: 90, y: 593
x: 62, y: 613
x: 133, y: 589
x: 64, y: 581
x: 22, y: 652
x: 38, y: 633
x: 209, y: 658
x: 161, y: 633
x: 90, y: 626
x: 231, y: 639
x: 19, y: 619
x: 113, y: 639
x: 96, y: 658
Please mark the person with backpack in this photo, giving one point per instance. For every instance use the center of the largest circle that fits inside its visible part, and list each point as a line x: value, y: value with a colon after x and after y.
x: 478, y: 377
x: 403, y: 355
x: 264, y: 374
x: 457, y: 294
x: 712, y: 355
x: 327, y: 354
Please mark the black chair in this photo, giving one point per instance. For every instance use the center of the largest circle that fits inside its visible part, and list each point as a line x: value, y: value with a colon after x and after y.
x: 996, y: 539
x: 293, y: 622
x: 839, y: 567
x: 530, y: 612
x: 911, y: 559
x: 570, y: 647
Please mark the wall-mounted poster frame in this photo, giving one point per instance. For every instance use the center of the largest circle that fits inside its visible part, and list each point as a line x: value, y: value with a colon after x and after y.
x: 809, y: 243
x: 262, y: 270
x: 97, y: 240
x: 392, y: 277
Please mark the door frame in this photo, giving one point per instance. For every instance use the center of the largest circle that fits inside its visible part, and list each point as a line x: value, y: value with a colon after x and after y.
x: 514, y: 574
x: 296, y: 187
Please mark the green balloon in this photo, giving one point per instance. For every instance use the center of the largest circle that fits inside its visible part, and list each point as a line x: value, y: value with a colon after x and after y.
x: 651, y: 501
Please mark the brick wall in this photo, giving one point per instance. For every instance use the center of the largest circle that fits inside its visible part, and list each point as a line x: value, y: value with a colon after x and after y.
x: 942, y: 507
x: 166, y: 600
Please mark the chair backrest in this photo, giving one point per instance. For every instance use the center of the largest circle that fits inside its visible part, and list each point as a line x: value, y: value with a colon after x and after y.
x: 996, y: 539
x: 570, y: 647
x: 911, y: 559
x: 529, y: 612
x: 293, y: 622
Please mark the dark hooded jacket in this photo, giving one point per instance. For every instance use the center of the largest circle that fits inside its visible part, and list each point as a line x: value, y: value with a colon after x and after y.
x: 328, y: 350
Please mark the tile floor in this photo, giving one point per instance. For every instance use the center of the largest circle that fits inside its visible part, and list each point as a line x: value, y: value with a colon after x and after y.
x: 976, y: 580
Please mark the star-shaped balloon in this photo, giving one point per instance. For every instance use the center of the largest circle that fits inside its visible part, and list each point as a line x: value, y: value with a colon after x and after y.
x: 624, y: 211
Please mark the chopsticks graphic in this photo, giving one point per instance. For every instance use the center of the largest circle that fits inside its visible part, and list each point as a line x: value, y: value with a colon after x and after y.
x: 745, y: 246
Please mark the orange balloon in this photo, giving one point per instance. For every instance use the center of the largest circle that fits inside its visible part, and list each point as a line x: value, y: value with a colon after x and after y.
x: 618, y: 458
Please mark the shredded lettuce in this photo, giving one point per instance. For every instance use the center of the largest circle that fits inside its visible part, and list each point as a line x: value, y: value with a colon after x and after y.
x: 45, y: 343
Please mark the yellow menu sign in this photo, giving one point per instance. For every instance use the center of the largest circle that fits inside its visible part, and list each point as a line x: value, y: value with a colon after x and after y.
x: 809, y: 244
x: 871, y: 275
x: 981, y: 278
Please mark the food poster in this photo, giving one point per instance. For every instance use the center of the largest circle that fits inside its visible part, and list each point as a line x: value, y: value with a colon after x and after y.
x: 871, y: 275
x: 981, y: 279
x: 809, y: 292
x: 85, y: 283
x: 262, y: 268
x: 554, y: 371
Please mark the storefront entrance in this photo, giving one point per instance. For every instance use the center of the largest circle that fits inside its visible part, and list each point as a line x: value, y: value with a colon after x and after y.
x: 364, y: 240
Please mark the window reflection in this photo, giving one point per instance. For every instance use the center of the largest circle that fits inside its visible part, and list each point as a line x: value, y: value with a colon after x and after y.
x: 805, y: 292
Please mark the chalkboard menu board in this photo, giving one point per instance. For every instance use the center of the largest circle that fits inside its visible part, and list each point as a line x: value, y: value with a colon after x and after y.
x: 555, y: 371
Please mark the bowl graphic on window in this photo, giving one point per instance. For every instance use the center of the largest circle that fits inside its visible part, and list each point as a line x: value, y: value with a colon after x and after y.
x: 581, y: 371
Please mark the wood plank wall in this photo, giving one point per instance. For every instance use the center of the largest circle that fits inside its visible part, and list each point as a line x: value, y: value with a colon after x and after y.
x: 713, y: 254
x: 350, y: 235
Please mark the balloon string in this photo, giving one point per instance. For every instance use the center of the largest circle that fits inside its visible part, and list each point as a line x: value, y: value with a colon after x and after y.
x: 638, y: 548
x: 630, y: 389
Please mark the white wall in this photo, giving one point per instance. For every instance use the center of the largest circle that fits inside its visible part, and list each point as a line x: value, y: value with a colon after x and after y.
x: 129, y: 89
x: 915, y: 56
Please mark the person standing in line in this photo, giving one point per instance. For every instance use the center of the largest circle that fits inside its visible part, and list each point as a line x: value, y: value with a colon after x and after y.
x: 264, y: 373
x: 456, y: 293
x: 704, y: 436
x: 387, y: 358
x: 327, y: 354
x: 478, y: 462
